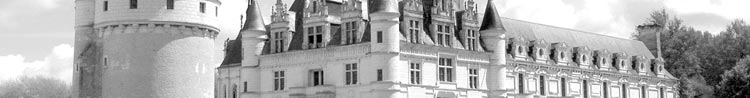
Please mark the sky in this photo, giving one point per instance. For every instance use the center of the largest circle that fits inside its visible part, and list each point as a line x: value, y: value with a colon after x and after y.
x: 36, y: 36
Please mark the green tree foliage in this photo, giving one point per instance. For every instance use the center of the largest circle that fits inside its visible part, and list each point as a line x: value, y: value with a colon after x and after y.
x: 34, y: 87
x: 683, y: 49
x: 736, y: 82
x: 698, y: 58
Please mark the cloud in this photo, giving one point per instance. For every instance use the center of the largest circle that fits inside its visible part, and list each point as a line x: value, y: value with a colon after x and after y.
x: 58, y: 64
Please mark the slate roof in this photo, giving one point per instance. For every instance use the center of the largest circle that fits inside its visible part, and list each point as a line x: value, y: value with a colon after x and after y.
x: 573, y: 38
x: 233, y: 52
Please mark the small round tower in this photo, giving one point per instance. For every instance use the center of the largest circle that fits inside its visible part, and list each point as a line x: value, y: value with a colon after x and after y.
x: 155, y: 48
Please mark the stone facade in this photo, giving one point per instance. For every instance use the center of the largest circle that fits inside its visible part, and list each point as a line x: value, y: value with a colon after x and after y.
x: 429, y: 49
x: 145, y: 48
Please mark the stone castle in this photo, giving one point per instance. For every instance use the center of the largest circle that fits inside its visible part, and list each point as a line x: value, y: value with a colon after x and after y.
x: 351, y: 49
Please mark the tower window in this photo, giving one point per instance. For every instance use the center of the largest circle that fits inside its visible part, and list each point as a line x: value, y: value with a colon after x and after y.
x: 379, y: 75
x: 216, y: 11
x: 203, y: 7
x: 473, y: 78
x: 380, y: 36
x: 245, y: 86
x: 445, y: 70
x: 317, y: 77
x: 170, y: 4
x: 415, y: 73
x: 133, y: 4
x: 106, y: 5
x: 278, y: 81
x: 351, y: 74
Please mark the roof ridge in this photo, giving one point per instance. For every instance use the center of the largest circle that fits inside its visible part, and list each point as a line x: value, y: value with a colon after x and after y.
x: 569, y: 29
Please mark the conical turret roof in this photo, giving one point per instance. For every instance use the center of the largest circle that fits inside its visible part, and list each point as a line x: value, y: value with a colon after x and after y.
x: 491, y: 17
x: 254, y: 19
x: 383, y: 6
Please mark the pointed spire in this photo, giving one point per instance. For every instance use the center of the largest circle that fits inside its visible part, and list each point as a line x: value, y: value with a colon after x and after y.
x: 383, y: 6
x: 491, y: 17
x: 254, y: 20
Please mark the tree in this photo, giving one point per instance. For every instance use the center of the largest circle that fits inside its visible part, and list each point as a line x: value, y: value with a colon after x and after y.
x: 34, y: 87
x: 735, y: 83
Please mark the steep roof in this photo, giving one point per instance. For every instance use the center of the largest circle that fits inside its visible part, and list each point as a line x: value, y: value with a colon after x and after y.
x: 233, y: 52
x: 254, y: 20
x: 491, y: 18
x: 573, y: 38
x: 383, y: 6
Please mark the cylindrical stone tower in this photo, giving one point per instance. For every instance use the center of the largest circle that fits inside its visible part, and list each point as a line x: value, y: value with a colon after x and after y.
x: 156, y: 48
x: 385, y: 43
x: 84, y: 26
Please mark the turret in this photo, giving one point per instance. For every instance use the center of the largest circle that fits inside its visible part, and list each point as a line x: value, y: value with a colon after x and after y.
x: 146, y: 48
x: 84, y: 41
x: 493, y: 34
x: 253, y: 35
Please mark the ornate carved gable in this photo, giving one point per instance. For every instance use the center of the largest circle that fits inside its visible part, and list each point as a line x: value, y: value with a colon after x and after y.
x: 413, y: 5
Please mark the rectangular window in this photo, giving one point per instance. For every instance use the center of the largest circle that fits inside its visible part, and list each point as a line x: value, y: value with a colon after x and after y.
x: 444, y: 33
x: 471, y: 40
x: 585, y: 89
x: 414, y: 31
x: 351, y: 74
x: 624, y: 91
x: 350, y: 32
x: 604, y: 88
x: 350, y: 35
x: 445, y: 70
x: 521, y: 87
x: 563, y: 84
x: 315, y: 37
x: 278, y: 42
x: 317, y: 77
x: 216, y: 11
x: 440, y: 35
x: 542, y: 90
x: 473, y: 78
x: 380, y: 36
x: 170, y: 4
x: 106, y: 5
x: 415, y: 73
x: 133, y: 4
x: 447, y: 38
x: 380, y: 75
x: 278, y: 80
x: 203, y: 7
x: 245, y: 86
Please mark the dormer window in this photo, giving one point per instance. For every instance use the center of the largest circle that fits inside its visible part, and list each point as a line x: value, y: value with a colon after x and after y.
x: 414, y: 31
x: 314, y: 37
x: 540, y: 52
x: 350, y: 32
x: 562, y: 56
x: 583, y: 58
x: 314, y: 6
x: 471, y: 39
x: 278, y: 42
